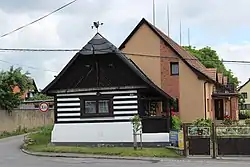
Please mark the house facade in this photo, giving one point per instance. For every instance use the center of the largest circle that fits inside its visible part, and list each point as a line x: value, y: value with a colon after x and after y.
x: 200, y: 92
x: 99, y: 91
x: 244, y: 90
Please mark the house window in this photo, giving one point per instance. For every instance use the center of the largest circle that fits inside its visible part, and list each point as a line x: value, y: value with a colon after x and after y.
x: 245, y: 107
x: 96, y: 106
x: 90, y: 107
x: 208, y: 105
x: 244, y: 94
x: 174, y: 68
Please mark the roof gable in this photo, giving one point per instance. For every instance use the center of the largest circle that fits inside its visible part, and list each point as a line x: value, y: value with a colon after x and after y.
x: 242, y: 86
x: 192, y: 62
x: 99, y: 45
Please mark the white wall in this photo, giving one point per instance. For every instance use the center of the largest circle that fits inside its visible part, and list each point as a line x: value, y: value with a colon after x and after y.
x: 80, y: 130
x: 123, y: 103
x: 101, y: 132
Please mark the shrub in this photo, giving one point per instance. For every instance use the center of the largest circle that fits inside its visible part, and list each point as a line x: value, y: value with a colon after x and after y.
x: 176, y: 122
x: 244, y: 114
x: 247, y: 121
x: 136, y: 122
x: 227, y: 120
x: 202, y: 122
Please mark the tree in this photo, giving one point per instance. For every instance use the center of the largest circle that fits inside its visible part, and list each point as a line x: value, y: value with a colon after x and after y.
x: 40, y: 96
x: 210, y: 59
x: 241, y: 101
x: 8, y: 80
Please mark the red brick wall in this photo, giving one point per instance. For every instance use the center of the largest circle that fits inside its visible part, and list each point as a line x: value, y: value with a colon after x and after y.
x: 170, y: 84
x: 234, y: 106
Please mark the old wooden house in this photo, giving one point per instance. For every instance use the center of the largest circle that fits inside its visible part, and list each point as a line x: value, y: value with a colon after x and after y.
x: 99, y: 91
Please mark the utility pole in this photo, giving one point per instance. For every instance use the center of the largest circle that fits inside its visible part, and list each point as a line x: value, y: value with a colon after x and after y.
x: 168, y: 18
x: 180, y: 32
x: 189, y: 37
x: 154, y: 12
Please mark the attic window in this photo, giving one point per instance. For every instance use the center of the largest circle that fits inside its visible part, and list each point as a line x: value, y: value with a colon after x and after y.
x: 174, y: 68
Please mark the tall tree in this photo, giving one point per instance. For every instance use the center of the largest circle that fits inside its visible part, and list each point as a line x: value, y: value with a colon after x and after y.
x: 8, y: 81
x: 210, y: 59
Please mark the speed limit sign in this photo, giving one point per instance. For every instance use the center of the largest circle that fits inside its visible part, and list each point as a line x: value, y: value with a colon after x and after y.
x: 43, y: 107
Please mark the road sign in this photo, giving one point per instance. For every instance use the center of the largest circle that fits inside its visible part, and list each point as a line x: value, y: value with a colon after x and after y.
x: 43, y: 107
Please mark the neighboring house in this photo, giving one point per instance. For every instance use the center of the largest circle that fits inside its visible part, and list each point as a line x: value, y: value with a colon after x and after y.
x: 245, y: 91
x: 201, y: 92
x: 99, y: 91
x: 28, y: 93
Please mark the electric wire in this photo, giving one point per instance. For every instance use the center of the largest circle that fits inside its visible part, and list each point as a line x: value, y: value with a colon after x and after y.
x: 101, y: 50
x: 41, y: 18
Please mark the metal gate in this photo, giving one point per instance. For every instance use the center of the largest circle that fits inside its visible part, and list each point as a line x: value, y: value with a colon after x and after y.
x: 233, y: 140
x: 219, y: 140
x: 198, y: 141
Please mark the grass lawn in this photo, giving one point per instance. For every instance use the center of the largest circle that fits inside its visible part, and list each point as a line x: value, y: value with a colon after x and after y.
x: 38, y: 142
x: 19, y: 131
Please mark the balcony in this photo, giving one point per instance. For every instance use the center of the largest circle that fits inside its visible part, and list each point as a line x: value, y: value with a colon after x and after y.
x: 228, y: 89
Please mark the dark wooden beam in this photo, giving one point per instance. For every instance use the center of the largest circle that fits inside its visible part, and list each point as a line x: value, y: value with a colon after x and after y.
x: 151, y: 98
x: 79, y: 90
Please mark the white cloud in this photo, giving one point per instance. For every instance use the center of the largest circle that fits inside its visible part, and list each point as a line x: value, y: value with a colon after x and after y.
x: 236, y: 52
x: 70, y: 28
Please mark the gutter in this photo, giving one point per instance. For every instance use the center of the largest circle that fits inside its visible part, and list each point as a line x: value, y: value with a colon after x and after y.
x: 205, y: 99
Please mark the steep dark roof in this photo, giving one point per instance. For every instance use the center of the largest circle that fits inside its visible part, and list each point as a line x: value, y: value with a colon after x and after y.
x: 189, y: 59
x: 100, y: 45
x: 35, y: 87
x: 244, y: 84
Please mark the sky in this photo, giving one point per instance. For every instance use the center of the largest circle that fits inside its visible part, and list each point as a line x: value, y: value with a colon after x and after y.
x: 223, y: 25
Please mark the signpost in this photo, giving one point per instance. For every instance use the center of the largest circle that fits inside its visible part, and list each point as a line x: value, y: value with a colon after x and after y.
x: 44, y: 107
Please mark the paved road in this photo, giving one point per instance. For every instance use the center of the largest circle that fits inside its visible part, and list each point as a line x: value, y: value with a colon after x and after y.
x: 11, y: 156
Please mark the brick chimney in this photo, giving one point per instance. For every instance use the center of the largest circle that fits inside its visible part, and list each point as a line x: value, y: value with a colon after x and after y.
x: 225, y: 80
x: 211, y: 72
x: 220, y: 77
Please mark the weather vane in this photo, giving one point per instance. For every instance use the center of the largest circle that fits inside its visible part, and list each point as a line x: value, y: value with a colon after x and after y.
x: 96, y: 24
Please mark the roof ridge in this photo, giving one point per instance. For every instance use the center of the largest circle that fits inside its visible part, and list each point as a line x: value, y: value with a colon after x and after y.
x: 89, y: 49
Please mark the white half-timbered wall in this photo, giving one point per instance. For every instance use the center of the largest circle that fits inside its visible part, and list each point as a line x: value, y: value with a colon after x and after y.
x: 125, y: 105
x: 71, y: 128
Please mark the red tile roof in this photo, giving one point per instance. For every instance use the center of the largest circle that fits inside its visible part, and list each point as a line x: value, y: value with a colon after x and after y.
x: 212, y: 73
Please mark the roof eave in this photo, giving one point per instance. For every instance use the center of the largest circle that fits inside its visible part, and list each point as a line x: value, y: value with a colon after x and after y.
x: 244, y: 84
x: 47, y: 88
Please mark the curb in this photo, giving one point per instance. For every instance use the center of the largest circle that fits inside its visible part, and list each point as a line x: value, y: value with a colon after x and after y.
x: 147, y: 159
x: 153, y: 160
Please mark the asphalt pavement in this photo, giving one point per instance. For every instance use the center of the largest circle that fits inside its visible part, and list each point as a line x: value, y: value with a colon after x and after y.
x: 12, y: 156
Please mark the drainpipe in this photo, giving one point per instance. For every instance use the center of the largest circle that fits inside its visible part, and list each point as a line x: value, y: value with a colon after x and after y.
x: 205, y: 99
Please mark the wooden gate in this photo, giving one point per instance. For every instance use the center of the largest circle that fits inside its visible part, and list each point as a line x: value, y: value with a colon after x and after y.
x: 198, y: 140
x: 219, y: 140
x: 233, y: 140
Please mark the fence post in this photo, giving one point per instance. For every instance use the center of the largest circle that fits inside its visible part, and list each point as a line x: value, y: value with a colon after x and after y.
x: 214, y: 140
x: 185, y: 153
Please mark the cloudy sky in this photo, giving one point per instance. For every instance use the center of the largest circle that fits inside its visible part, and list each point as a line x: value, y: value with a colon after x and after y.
x: 223, y: 25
